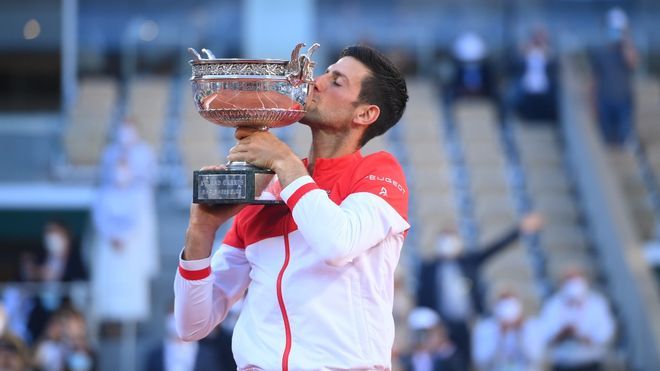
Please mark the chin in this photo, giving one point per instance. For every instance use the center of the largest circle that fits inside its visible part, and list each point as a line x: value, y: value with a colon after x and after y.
x: 309, y: 119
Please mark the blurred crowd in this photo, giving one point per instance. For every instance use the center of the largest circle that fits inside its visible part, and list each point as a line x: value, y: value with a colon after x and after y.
x: 529, y: 84
x: 447, y: 326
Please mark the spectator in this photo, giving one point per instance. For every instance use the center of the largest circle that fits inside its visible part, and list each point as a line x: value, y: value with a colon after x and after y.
x: 120, y: 287
x: 61, y: 261
x: 472, y: 71
x: 535, y: 86
x: 450, y: 283
x: 432, y: 349
x: 613, y: 66
x: 130, y: 149
x: 13, y: 354
x: 49, y: 354
x: 578, y: 325
x: 507, y: 340
x: 124, y: 219
x: 212, y: 352
x: 80, y: 355
x: 64, y: 345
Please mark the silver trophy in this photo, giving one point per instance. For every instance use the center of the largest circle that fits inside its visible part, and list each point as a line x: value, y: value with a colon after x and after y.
x: 255, y: 93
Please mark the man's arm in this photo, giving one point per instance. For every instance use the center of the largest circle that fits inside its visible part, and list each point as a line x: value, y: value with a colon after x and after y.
x: 373, y: 211
x: 529, y: 224
x: 204, y: 290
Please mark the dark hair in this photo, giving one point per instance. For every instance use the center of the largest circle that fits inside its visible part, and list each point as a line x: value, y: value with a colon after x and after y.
x: 385, y: 88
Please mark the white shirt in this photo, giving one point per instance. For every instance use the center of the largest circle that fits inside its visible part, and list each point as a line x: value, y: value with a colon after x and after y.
x: 592, y: 320
x: 513, y: 350
x: 455, y: 297
x: 535, y: 79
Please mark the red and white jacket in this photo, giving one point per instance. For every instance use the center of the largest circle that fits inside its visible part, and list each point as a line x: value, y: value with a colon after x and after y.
x: 319, y: 271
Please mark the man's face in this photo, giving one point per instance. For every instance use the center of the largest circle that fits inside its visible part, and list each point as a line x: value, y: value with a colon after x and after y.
x: 334, y: 101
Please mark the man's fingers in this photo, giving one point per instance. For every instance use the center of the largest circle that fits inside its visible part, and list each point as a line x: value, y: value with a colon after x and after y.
x: 242, y: 132
x: 237, y: 157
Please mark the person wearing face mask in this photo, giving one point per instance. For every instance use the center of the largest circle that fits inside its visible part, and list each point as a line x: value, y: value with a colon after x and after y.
x: 129, y: 146
x: 450, y: 283
x: 79, y: 356
x: 432, y: 350
x: 535, y: 87
x: 613, y: 65
x: 507, y: 340
x: 14, y: 355
x: 120, y: 284
x: 136, y: 168
x: 578, y: 325
x: 60, y: 259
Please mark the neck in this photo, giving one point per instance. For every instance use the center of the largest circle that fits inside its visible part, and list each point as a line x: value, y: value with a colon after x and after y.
x: 331, y: 145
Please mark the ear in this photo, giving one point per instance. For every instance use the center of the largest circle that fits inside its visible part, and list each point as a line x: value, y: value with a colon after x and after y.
x: 366, y: 114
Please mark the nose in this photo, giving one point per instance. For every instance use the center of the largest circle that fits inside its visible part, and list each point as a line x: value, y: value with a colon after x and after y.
x: 321, y: 82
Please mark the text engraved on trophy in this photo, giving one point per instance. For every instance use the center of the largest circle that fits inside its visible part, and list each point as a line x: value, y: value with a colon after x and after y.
x: 222, y: 186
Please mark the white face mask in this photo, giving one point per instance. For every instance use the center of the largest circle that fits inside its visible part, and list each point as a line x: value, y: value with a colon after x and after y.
x: 55, y: 243
x: 508, y: 310
x: 449, y: 247
x: 575, y: 288
x: 127, y: 135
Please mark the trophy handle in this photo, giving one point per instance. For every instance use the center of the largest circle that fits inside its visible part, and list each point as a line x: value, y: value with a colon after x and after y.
x: 293, y: 68
x: 209, y: 54
x: 194, y: 52
x: 301, y: 68
x: 307, y: 68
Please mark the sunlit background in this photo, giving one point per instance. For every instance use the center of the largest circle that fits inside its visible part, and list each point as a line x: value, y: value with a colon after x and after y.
x: 479, y: 151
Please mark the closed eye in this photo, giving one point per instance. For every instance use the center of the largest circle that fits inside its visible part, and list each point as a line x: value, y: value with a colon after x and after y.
x: 338, y: 78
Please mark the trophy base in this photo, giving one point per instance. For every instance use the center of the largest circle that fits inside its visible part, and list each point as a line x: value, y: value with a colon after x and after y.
x: 243, y: 184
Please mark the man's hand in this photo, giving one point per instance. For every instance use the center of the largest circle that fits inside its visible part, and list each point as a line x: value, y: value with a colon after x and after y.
x: 568, y: 332
x: 204, y: 222
x: 263, y: 149
x: 531, y: 223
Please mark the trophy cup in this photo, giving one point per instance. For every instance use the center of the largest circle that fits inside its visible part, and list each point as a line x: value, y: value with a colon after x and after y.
x: 255, y: 93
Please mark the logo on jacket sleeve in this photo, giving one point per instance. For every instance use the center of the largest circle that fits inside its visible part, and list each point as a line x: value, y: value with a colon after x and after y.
x: 396, y: 184
x: 383, y: 192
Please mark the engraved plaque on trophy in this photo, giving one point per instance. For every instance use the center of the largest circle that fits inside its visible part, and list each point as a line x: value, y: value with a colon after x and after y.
x: 255, y: 93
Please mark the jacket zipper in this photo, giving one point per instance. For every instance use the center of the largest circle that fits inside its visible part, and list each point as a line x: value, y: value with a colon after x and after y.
x: 280, y: 298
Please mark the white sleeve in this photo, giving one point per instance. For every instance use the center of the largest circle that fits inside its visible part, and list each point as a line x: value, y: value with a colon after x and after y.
x: 533, y: 341
x: 484, y: 342
x: 205, y: 289
x: 600, y: 327
x: 340, y: 233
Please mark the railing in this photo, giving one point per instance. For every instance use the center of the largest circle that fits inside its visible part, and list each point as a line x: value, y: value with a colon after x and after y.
x: 649, y: 179
x: 467, y: 224
x: 397, y: 147
x: 518, y: 182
